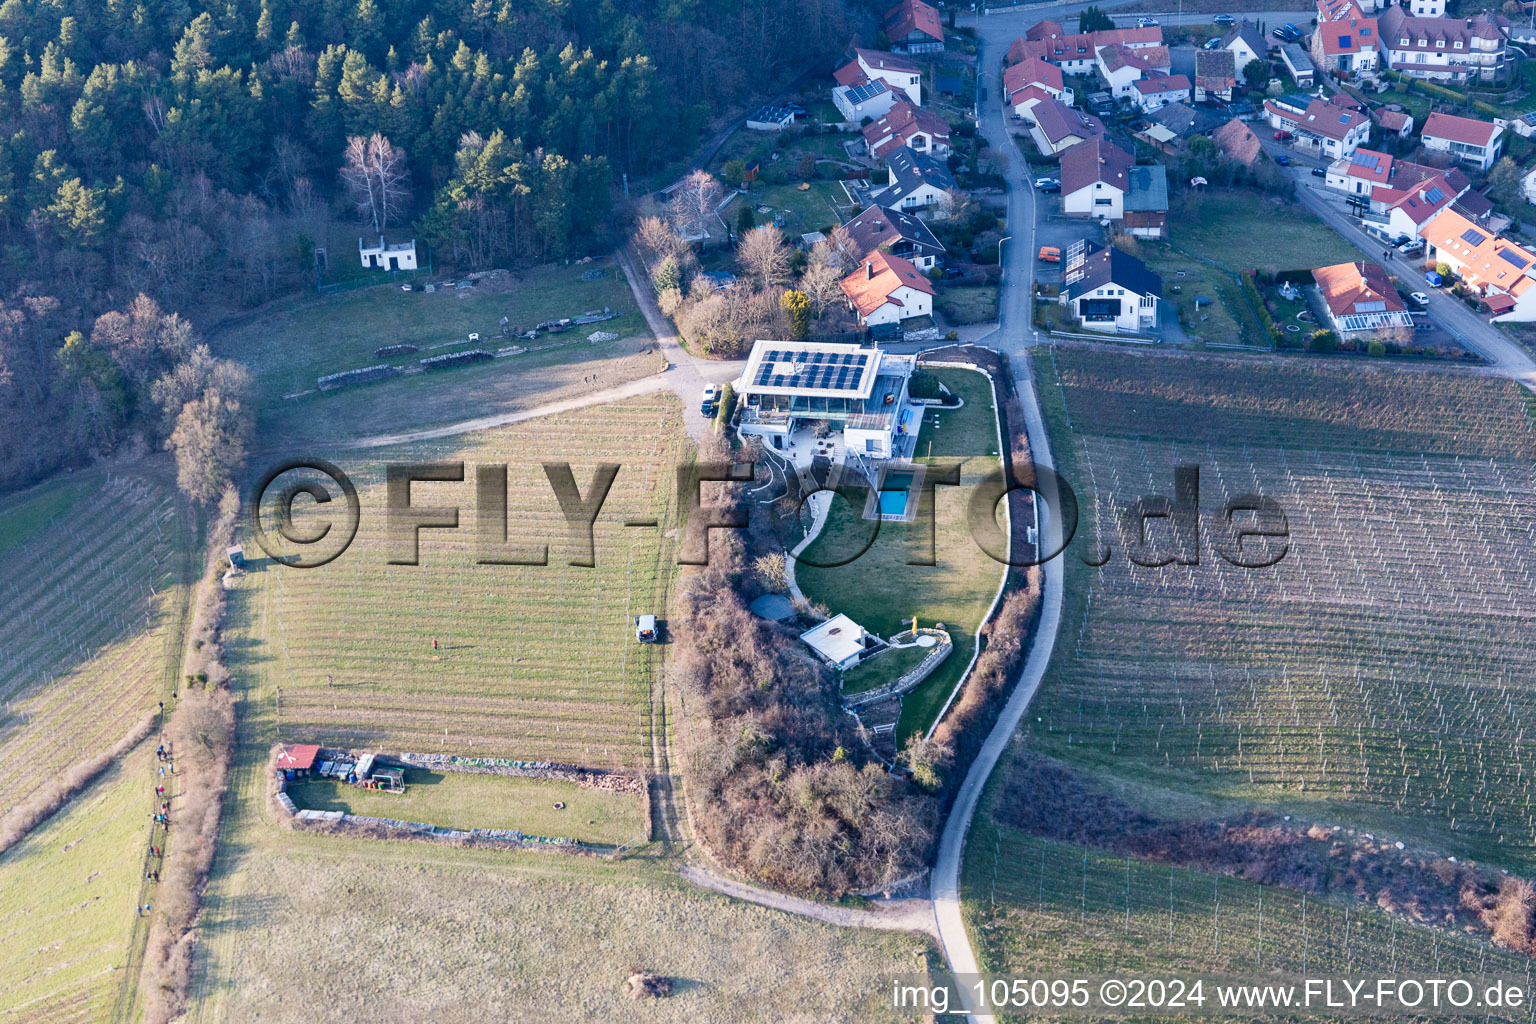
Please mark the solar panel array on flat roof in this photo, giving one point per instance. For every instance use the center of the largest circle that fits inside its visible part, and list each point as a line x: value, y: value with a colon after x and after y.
x: 860, y: 93
x: 1473, y: 237
x: 1371, y: 160
x: 1513, y: 258
x: 823, y: 371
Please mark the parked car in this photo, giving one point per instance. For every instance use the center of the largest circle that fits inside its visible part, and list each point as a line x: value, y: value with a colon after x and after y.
x: 1050, y: 254
x: 1283, y: 136
x: 1319, y: 172
x: 645, y: 629
x: 1286, y: 36
x: 1420, y: 298
x: 1282, y: 160
x: 1048, y: 184
x: 709, y: 400
x: 1224, y: 20
x: 1413, y: 248
x: 1292, y: 29
x: 1212, y: 43
x: 1146, y: 23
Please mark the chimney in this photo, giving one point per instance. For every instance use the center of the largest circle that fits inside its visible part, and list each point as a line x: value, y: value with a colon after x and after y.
x: 869, y: 270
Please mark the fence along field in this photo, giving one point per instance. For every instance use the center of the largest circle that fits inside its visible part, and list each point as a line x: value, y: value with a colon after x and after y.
x: 533, y: 662
x: 1382, y: 673
x: 90, y: 606
x: 67, y: 895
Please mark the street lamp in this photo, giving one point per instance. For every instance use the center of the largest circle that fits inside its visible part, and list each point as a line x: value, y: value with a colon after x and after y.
x: 1000, y: 242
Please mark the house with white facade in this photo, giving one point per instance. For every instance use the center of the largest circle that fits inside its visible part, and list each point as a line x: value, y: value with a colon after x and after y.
x: 899, y: 72
x: 867, y: 99
x: 1058, y: 127
x: 1246, y: 42
x: 1154, y: 93
x: 1495, y: 268
x: 1215, y: 75
x: 1360, y: 172
x: 917, y: 182
x: 1445, y: 49
x: 896, y: 232
x: 1114, y: 291
x: 1349, y: 47
x: 887, y: 289
x: 916, y: 128
x: 1478, y: 143
x: 1095, y: 179
x: 859, y: 390
x: 1331, y: 131
x: 1032, y: 80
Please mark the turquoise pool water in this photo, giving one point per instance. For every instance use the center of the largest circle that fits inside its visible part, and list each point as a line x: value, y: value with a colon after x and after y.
x: 894, y: 494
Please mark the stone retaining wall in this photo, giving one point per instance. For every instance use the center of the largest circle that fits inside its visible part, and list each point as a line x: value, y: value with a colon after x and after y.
x: 914, y: 676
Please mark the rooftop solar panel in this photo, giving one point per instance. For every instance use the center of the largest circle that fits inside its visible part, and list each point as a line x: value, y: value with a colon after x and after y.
x: 829, y: 371
x: 1434, y: 195
x: 1514, y: 258
x: 1473, y: 237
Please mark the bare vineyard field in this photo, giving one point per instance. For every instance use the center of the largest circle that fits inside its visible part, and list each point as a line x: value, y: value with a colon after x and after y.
x: 92, y: 590
x: 1045, y: 910
x: 67, y: 895
x: 1382, y: 673
x: 532, y: 662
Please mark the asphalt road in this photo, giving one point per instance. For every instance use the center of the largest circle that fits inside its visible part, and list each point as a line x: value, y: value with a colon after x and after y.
x: 1015, y: 336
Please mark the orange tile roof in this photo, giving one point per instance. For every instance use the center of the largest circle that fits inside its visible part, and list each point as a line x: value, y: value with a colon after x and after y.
x: 1487, y: 260
x: 1346, y: 285
x: 877, y: 280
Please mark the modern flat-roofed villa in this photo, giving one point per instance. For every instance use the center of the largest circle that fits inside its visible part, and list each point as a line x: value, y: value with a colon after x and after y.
x: 807, y: 398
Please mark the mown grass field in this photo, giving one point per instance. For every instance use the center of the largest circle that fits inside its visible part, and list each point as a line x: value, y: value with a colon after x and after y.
x: 517, y: 936
x: 1379, y: 674
x: 288, y: 344
x: 67, y: 898
x: 535, y: 662
x: 1242, y: 230
x: 1043, y: 909
x: 879, y: 589
x: 462, y: 800
x: 92, y: 584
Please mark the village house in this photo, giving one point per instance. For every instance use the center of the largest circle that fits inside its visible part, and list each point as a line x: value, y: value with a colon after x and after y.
x: 1361, y: 299
x: 899, y: 72
x: 1478, y: 143
x: 1114, y: 291
x: 1393, y: 122
x: 861, y: 392
x: 1215, y: 75
x: 887, y: 289
x: 1348, y: 47
x: 1238, y: 143
x: 917, y: 182
x: 1446, y: 49
x: 1078, y: 54
x: 916, y: 128
x: 1160, y: 90
x: 1407, y: 208
x: 897, y: 232
x: 1058, y: 127
x: 1122, y: 67
x: 914, y: 27
x: 867, y: 99
x: 770, y: 119
x: 1492, y: 266
x: 1146, y: 204
x: 387, y: 255
x: 1330, y: 130
x: 1360, y: 172
x: 1095, y: 179
x: 1032, y: 80
x: 1246, y: 43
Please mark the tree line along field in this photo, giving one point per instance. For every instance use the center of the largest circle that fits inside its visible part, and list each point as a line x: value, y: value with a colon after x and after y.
x: 1379, y: 674
x: 533, y: 662
x: 93, y: 573
x: 1044, y: 909
x: 67, y: 898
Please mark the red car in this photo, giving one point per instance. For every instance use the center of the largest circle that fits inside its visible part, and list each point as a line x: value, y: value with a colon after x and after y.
x: 1283, y: 136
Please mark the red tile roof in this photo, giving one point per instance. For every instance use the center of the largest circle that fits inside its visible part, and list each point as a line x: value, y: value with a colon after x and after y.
x: 1238, y: 142
x: 1349, y: 35
x: 877, y: 280
x: 850, y: 74
x: 1346, y: 285
x: 298, y: 757
x: 1161, y: 83
x: 900, y: 125
x: 913, y: 16
x: 880, y: 60
x: 1369, y: 165
x: 1032, y: 70
x: 1392, y: 120
x: 1459, y: 129
x: 1323, y: 118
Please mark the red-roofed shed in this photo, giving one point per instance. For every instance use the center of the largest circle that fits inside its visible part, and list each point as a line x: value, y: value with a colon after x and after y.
x: 298, y: 758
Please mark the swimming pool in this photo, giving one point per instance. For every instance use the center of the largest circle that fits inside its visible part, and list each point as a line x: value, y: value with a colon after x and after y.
x: 895, y: 492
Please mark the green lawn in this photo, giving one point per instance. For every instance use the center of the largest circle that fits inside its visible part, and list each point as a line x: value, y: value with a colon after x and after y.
x: 67, y: 898
x: 975, y: 304
x: 879, y: 589
x: 814, y: 209
x: 462, y: 800
x: 883, y: 668
x: 1227, y: 319
x: 1243, y: 230
x: 288, y: 344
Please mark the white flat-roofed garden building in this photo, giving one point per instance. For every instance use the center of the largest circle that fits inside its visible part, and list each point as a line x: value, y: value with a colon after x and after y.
x: 858, y: 392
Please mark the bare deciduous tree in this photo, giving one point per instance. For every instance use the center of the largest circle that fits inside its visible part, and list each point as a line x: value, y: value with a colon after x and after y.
x: 822, y: 284
x: 696, y: 200
x: 377, y: 179
x: 838, y: 250
x: 210, y: 443
x: 764, y: 255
